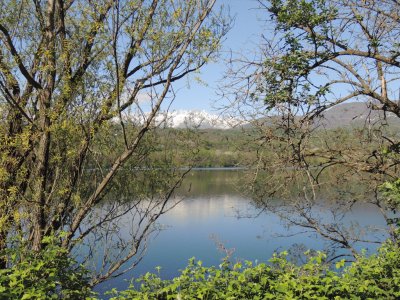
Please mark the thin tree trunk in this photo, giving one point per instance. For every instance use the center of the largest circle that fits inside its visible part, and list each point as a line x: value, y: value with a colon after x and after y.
x: 39, y: 222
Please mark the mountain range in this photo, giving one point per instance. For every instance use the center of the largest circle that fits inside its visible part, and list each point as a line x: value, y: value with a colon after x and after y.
x: 356, y: 114
x: 343, y: 115
x: 199, y: 119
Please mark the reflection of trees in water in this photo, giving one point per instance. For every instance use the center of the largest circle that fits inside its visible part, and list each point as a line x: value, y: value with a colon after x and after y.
x: 210, y: 183
x: 329, y: 214
x: 114, y: 236
x: 325, y: 209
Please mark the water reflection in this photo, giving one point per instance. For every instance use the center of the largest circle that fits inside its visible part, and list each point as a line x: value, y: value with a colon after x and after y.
x: 213, y: 206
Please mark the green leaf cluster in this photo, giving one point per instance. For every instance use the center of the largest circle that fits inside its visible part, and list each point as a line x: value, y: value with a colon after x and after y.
x: 374, y: 277
x: 303, y: 13
x: 391, y: 191
x: 48, y: 274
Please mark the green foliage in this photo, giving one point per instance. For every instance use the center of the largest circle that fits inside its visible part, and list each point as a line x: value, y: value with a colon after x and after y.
x: 79, y: 102
x: 295, y: 13
x: 375, y: 277
x: 203, y: 147
x: 391, y: 191
x: 286, y: 75
x: 48, y: 274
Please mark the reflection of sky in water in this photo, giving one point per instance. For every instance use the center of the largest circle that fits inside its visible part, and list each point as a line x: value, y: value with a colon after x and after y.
x: 208, y: 211
x: 206, y: 208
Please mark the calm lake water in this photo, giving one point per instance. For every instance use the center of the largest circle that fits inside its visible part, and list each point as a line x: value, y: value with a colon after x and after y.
x: 209, y: 212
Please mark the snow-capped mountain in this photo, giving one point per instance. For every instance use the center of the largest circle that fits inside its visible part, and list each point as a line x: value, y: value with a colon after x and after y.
x: 196, y: 119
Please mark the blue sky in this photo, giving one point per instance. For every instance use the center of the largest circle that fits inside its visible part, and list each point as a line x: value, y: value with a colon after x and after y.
x: 243, y: 36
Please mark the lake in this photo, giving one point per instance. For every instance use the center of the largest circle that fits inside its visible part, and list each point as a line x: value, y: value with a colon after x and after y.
x: 215, y: 211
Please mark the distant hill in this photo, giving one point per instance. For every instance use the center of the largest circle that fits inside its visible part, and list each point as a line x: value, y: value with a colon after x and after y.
x: 355, y: 114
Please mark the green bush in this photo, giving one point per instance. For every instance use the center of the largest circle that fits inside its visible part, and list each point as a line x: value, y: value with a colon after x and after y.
x: 52, y: 274
x: 47, y: 274
x: 374, y: 277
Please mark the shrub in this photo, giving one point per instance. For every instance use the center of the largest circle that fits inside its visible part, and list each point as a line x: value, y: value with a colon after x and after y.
x: 374, y: 277
x: 48, y: 274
